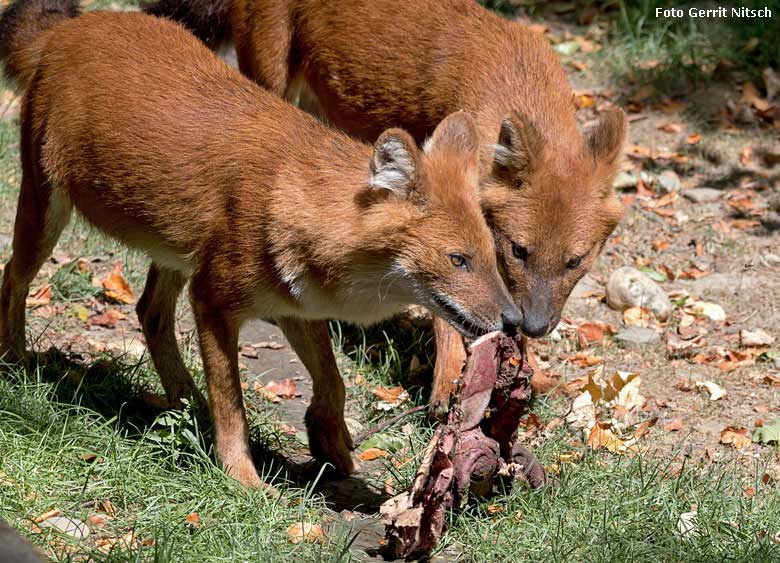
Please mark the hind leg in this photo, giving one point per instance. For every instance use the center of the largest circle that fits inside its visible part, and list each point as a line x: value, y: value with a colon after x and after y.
x: 157, y: 313
x: 41, y: 215
x: 262, y: 36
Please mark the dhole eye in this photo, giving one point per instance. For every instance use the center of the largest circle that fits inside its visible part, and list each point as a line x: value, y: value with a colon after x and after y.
x: 574, y: 263
x: 459, y: 261
x: 519, y: 252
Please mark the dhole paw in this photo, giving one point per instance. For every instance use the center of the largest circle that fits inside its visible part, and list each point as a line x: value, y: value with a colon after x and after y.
x: 246, y: 473
x: 329, y: 439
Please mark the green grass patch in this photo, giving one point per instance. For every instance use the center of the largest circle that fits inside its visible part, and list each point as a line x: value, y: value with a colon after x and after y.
x: 677, y: 53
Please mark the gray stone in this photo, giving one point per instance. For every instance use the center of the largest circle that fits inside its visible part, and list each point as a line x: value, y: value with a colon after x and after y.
x: 723, y: 284
x: 68, y: 526
x: 628, y: 287
x: 703, y: 195
x: 668, y: 181
x: 625, y: 181
x: 771, y: 220
x: 638, y: 335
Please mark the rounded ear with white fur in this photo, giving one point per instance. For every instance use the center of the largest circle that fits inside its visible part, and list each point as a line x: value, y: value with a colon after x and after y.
x: 394, y: 163
x: 607, y: 137
x: 457, y: 134
x: 519, y: 144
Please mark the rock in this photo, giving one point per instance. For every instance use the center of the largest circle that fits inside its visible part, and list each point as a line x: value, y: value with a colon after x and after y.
x: 703, y: 195
x: 724, y: 284
x: 755, y: 337
x: 68, y: 526
x: 625, y: 181
x: 628, y: 287
x: 771, y: 259
x: 668, y: 181
x: 638, y: 335
x: 771, y: 221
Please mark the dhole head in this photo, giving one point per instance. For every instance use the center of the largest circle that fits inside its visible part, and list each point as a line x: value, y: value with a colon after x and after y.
x: 551, y: 206
x: 443, y: 252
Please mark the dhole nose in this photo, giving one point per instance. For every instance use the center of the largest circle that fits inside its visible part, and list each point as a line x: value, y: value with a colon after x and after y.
x: 536, y: 325
x: 511, y: 319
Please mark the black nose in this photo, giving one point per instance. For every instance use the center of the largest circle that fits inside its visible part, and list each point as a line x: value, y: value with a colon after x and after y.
x: 536, y: 325
x: 511, y: 319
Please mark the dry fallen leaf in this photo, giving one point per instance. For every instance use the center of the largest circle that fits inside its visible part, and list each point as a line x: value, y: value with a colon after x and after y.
x: 371, y: 454
x: 192, y: 520
x: 115, y: 286
x: 585, y: 360
x: 693, y: 139
x: 757, y: 337
x: 390, y: 397
x: 670, y: 127
x: 39, y: 297
x: 636, y: 316
x: 716, y: 391
x: 674, y: 425
x: 592, y: 333
x: 259, y: 389
x: 736, y: 436
x: 751, y: 97
x: 107, y: 318
x: 712, y: 311
x: 268, y: 345
x: 287, y: 388
x: 305, y: 532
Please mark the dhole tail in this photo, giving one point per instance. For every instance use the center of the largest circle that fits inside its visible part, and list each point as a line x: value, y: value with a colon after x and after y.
x: 21, y: 25
x: 209, y: 20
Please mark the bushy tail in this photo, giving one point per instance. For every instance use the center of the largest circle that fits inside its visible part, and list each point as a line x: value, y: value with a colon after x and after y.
x: 209, y: 20
x: 20, y: 27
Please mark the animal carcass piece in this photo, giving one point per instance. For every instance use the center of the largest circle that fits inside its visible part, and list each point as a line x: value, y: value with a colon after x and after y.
x: 475, y: 448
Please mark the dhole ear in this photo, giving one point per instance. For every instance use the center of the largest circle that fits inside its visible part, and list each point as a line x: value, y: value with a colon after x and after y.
x: 606, y: 139
x: 519, y: 143
x: 457, y: 133
x: 394, y: 163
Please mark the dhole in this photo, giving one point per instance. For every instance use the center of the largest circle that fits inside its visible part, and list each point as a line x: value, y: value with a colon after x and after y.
x: 130, y: 120
x: 369, y: 64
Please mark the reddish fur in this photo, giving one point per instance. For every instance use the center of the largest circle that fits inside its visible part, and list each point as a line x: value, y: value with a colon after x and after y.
x: 374, y: 63
x: 158, y: 143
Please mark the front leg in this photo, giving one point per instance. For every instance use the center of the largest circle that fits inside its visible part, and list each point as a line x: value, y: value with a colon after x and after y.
x: 218, y: 334
x: 329, y: 439
x: 450, y: 359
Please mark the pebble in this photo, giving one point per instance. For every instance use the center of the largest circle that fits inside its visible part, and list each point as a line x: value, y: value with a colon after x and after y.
x: 628, y: 287
x: 771, y: 221
x: 638, y: 335
x: 755, y: 337
x: 68, y: 526
x: 703, y: 195
x: 668, y: 181
x: 625, y: 181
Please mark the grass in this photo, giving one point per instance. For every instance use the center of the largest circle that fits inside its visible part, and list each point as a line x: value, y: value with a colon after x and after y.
x: 679, y: 53
x: 63, y: 446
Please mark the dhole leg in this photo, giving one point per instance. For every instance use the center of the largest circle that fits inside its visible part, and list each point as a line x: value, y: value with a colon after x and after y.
x: 41, y: 216
x: 263, y: 46
x: 157, y: 313
x: 329, y: 438
x: 218, y: 336
x: 450, y: 359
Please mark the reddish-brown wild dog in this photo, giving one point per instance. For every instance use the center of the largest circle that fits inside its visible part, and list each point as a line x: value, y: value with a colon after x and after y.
x: 370, y: 64
x: 133, y: 122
